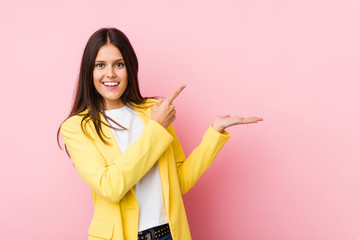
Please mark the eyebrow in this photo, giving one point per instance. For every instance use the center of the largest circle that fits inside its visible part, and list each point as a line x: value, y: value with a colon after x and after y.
x: 120, y: 59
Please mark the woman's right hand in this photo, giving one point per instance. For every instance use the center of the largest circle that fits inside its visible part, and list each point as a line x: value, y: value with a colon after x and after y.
x: 164, y: 112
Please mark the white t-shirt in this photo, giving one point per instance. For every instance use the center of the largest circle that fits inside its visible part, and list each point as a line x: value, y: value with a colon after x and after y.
x: 148, y: 190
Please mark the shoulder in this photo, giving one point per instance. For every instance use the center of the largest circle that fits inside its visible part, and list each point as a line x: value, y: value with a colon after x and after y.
x: 148, y: 103
x: 73, y: 123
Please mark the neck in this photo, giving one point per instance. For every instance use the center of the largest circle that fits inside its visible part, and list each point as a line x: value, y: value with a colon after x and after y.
x: 113, y: 105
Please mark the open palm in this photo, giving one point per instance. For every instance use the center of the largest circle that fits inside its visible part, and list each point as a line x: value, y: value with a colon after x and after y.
x: 222, y: 122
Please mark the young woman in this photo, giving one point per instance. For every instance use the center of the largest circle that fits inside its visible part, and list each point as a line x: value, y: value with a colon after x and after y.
x: 125, y: 148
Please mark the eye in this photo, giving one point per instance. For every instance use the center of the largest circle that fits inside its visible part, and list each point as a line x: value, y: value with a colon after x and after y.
x: 120, y: 65
x: 99, y: 65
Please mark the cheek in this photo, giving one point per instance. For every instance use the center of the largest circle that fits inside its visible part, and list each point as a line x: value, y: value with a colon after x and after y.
x: 121, y: 73
x: 125, y: 83
x: 96, y: 81
x: 96, y: 75
x: 125, y: 76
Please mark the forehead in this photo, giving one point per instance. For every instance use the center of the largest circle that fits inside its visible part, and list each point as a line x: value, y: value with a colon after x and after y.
x: 108, y: 52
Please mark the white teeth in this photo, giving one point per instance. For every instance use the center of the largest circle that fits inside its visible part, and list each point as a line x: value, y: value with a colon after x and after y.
x: 110, y: 83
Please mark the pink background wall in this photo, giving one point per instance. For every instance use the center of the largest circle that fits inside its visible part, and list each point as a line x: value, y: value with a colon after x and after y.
x: 295, y: 63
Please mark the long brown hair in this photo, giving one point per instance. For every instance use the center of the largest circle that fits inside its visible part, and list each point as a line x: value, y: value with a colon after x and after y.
x: 86, y: 96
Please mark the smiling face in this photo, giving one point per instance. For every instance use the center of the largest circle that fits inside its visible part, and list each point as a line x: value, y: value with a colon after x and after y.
x: 110, y: 76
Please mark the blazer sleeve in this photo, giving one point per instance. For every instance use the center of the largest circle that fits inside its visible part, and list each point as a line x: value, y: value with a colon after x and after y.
x: 191, y: 168
x: 113, y: 181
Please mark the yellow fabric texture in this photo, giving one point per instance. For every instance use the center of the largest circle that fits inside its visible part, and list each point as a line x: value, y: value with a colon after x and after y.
x: 111, y: 174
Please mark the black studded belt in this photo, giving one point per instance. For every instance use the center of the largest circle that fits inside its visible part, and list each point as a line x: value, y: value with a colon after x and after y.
x: 153, y: 233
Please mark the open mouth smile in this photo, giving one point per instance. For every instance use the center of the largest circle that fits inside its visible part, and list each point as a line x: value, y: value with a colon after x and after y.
x: 110, y: 84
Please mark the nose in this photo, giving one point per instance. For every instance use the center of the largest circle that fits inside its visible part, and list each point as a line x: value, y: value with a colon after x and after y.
x: 110, y: 73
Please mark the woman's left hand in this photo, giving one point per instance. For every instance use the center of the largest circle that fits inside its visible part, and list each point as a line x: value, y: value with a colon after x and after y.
x: 220, y: 123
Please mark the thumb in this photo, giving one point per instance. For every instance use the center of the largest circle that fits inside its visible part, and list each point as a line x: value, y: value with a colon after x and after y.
x: 157, y: 105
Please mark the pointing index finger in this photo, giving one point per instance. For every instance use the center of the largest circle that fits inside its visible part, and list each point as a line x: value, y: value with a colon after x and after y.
x: 175, y: 94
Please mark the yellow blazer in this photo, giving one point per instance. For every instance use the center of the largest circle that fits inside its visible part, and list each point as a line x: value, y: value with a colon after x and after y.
x: 112, y: 175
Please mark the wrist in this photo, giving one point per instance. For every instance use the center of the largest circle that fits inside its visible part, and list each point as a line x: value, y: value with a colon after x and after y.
x: 217, y: 128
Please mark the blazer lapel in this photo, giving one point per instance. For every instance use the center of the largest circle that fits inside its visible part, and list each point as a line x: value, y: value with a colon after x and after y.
x: 144, y: 116
x: 112, y: 150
